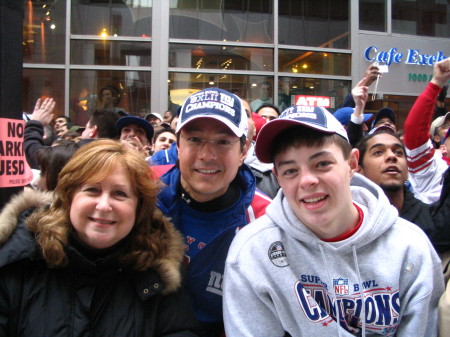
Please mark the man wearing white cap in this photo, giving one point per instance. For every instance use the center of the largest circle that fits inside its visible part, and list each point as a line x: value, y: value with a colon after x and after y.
x: 330, y: 257
x: 154, y: 118
x: 439, y: 128
x: 210, y: 194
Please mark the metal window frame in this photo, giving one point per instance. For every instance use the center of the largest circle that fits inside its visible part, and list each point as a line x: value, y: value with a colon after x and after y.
x: 160, y: 53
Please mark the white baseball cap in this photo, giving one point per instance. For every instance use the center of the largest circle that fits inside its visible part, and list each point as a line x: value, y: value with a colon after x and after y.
x: 217, y: 104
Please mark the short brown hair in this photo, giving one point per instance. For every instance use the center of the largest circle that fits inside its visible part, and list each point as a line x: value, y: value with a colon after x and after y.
x: 105, y: 121
x: 298, y: 135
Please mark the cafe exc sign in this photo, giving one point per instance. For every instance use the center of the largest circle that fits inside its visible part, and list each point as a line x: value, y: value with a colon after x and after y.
x: 409, y: 56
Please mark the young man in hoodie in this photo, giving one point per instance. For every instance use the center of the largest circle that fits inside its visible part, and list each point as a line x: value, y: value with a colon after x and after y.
x: 331, y: 257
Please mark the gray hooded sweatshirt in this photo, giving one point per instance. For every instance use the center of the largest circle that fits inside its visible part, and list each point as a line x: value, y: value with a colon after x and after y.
x: 282, y: 280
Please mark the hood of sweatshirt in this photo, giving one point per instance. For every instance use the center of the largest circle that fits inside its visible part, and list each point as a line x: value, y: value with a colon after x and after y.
x: 379, y: 217
x: 252, y: 161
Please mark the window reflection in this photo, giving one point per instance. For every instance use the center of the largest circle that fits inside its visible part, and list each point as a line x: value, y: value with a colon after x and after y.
x: 110, y: 53
x: 111, y: 34
x: 44, y: 26
x: 127, y: 91
x: 220, y: 57
x: 329, y: 94
x: 295, y: 61
x: 372, y: 15
x: 317, y: 23
x: 43, y: 83
x: 291, y: 90
x: 224, y: 20
x: 421, y: 17
x: 262, y: 93
x: 249, y: 87
x: 112, y: 17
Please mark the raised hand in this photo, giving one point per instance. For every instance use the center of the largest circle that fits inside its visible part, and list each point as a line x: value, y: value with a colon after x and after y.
x: 360, y: 95
x: 43, y: 111
x: 441, y: 72
x: 371, y: 75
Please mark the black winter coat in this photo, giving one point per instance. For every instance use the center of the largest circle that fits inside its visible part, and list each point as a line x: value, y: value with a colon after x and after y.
x: 33, y: 141
x: 433, y: 218
x: 89, y: 297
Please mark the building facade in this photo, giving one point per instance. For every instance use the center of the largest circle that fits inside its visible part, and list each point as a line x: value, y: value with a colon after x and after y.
x: 153, y: 53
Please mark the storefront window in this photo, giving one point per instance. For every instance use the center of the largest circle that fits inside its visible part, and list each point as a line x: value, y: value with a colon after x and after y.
x: 329, y: 94
x: 252, y: 88
x: 43, y: 83
x: 112, y: 18
x: 421, y: 17
x: 314, y: 62
x: 372, y: 15
x: 130, y: 91
x: 220, y: 57
x: 222, y: 20
x: 123, y: 53
x: 315, y: 23
x: 44, y: 27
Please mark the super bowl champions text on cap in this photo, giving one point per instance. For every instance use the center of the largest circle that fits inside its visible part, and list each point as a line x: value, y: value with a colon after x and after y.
x: 211, y: 99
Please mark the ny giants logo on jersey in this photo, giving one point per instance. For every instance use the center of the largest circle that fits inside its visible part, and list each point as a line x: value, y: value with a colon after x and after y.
x: 382, y: 305
x: 215, y: 284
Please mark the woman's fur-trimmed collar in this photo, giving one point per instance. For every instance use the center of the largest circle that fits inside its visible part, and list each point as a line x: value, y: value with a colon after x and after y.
x: 19, y: 203
x: 167, y: 267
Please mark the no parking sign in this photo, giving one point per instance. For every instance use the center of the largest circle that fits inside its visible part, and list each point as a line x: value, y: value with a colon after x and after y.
x: 14, y: 169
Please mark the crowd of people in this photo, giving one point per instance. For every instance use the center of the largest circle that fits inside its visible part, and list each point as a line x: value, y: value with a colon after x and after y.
x: 233, y: 219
